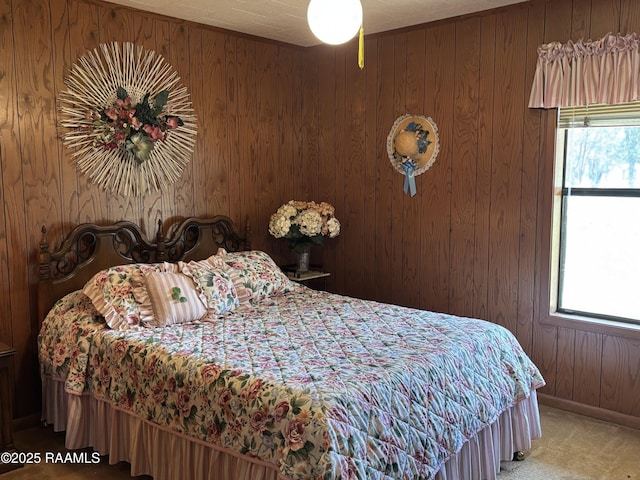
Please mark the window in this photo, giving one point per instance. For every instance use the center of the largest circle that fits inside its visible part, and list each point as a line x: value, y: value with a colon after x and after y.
x: 598, y: 257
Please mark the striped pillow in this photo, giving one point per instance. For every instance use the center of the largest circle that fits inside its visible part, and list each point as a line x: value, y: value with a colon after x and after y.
x: 173, y: 298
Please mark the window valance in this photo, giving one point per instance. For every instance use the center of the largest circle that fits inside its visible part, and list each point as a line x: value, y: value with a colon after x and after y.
x: 587, y: 72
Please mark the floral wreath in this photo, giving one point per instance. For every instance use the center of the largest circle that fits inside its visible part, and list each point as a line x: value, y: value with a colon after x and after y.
x: 413, y: 146
x: 128, y: 119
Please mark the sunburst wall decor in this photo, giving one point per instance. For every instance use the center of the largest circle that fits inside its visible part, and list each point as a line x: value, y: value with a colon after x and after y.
x: 127, y: 119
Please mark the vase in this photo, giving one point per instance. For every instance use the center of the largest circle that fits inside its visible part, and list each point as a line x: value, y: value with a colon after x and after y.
x: 303, y: 261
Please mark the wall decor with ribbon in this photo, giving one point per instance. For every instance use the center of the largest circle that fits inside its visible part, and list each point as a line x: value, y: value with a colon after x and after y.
x: 127, y: 119
x: 413, y: 146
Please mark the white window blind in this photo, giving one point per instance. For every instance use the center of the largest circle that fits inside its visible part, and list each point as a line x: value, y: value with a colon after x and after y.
x: 627, y: 114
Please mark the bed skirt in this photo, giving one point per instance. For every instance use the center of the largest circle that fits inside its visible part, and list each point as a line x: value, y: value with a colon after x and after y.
x: 166, y: 455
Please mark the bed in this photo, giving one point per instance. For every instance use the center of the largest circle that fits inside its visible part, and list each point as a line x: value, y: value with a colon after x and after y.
x: 273, y: 380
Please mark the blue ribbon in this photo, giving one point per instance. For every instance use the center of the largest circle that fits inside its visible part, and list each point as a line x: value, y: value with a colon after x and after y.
x: 409, y: 177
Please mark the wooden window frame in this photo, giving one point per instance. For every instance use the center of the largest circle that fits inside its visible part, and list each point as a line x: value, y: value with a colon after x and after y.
x: 550, y: 202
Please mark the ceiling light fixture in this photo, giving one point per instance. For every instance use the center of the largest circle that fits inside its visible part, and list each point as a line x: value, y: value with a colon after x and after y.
x: 334, y: 21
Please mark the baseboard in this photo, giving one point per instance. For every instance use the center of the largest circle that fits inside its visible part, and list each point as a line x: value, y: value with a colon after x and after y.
x: 590, y: 411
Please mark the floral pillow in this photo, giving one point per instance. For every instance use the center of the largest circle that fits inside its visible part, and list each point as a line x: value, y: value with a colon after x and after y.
x: 167, y: 298
x: 112, y: 293
x: 213, y: 284
x: 244, y: 294
x: 256, y: 272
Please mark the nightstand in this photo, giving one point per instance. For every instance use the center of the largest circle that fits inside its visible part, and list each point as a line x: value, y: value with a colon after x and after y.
x: 6, y: 405
x: 314, y: 278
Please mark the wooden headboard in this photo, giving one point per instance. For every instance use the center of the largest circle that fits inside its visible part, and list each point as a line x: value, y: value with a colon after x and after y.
x: 90, y: 248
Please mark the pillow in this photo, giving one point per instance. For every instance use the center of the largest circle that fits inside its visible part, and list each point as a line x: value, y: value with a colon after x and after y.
x: 256, y: 272
x: 214, y: 286
x: 244, y: 294
x: 169, y: 298
x: 112, y: 293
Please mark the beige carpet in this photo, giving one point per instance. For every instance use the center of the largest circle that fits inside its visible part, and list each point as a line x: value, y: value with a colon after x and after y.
x: 573, y: 447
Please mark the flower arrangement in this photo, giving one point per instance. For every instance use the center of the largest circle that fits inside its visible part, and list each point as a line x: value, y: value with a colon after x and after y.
x: 304, y: 224
x: 134, y: 128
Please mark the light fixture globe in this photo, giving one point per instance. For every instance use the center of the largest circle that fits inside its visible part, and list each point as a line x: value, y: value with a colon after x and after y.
x: 334, y: 21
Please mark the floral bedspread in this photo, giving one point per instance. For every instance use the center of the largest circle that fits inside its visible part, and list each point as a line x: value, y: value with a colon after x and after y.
x: 320, y: 385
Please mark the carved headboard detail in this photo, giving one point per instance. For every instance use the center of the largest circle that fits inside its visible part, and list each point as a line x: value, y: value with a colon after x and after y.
x: 90, y: 248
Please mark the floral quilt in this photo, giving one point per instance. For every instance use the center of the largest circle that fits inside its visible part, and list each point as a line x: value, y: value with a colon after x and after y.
x: 320, y: 385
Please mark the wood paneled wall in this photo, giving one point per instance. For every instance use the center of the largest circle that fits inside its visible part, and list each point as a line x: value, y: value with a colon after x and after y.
x: 474, y: 240
x: 248, y: 97
x: 278, y: 122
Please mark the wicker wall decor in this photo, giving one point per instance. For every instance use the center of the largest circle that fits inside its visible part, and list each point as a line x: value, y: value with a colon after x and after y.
x: 127, y: 119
